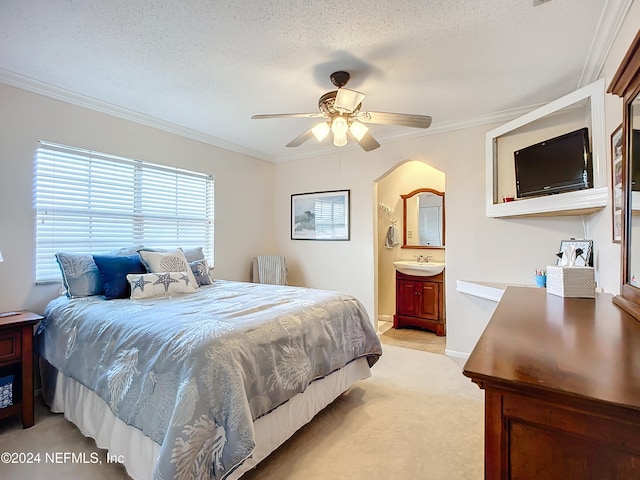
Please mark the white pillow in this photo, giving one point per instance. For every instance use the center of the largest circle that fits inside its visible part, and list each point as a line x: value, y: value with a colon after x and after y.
x: 147, y: 285
x: 173, y: 261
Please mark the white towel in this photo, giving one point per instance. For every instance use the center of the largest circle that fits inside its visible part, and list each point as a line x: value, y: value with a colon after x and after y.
x: 271, y: 269
x: 391, y: 239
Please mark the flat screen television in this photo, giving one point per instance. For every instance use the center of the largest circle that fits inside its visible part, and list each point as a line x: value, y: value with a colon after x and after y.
x: 559, y: 164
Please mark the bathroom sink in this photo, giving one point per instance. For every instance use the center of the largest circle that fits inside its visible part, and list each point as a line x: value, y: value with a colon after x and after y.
x: 420, y: 269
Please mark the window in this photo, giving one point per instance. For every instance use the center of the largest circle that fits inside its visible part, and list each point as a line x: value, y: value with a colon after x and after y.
x: 330, y: 216
x: 89, y: 202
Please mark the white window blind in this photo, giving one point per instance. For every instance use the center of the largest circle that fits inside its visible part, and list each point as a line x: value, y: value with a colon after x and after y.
x: 89, y: 202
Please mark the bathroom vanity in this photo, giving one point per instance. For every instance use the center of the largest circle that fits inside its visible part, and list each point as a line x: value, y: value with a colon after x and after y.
x: 420, y: 283
x: 420, y: 302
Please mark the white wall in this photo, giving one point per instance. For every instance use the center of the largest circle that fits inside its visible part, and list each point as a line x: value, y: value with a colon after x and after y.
x: 242, y: 230
x: 608, y: 262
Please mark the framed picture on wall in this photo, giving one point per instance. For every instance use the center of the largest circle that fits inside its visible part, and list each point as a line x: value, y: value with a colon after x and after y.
x: 320, y: 215
x: 616, y: 183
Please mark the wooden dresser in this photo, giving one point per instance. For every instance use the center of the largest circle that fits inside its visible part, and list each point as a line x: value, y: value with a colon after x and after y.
x: 562, y: 388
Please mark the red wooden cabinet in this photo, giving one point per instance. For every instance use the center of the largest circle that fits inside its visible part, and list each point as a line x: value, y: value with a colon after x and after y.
x: 420, y: 302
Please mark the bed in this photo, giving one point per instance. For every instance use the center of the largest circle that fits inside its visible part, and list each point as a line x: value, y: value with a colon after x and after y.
x: 204, y: 384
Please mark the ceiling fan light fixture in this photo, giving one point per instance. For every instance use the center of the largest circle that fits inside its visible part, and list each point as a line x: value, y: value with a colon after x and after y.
x: 339, y: 125
x: 321, y: 131
x: 339, y: 128
x: 347, y: 100
x: 358, y: 130
x: 339, y: 140
x: 340, y: 109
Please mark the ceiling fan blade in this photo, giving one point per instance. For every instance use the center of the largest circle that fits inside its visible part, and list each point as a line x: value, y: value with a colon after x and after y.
x: 403, y: 119
x: 347, y: 100
x: 300, y: 139
x: 367, y: 142
x: 290, y: 115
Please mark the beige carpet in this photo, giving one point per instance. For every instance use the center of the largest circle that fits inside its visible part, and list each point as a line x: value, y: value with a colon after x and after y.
x: 414, y: 339
x: 53, y: 435
x: 417, y: 418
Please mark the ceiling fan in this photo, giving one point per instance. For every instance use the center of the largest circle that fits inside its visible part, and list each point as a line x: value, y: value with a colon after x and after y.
x: 342, y: 115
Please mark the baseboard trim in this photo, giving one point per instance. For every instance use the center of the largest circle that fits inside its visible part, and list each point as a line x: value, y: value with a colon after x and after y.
x: 455, y: 354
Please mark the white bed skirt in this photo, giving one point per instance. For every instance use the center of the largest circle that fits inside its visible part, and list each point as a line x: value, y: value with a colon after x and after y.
x: 93, y: 417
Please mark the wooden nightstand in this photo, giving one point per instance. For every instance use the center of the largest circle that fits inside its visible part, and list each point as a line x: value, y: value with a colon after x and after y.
x: 16, y: 354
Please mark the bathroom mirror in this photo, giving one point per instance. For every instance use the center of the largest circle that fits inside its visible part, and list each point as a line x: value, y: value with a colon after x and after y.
x: 626, y: 84
x: 423, y: 219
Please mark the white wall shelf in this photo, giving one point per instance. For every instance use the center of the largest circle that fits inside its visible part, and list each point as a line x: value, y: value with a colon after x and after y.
x: 488, y: 290
x: 580, y: 202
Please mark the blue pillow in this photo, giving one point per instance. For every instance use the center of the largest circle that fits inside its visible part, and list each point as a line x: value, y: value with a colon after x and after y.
x: 114, y: 269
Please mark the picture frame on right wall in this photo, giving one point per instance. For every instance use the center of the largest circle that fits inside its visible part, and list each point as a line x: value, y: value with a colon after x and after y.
x: 616, y: 183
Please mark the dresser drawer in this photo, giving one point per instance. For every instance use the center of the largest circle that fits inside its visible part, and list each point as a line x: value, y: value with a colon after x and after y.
x: 10, y: 346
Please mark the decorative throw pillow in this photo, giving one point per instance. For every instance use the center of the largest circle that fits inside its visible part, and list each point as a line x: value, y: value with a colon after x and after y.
x: 80, y: 275
x: 200, y: 269
x: 114, y: 269
x: 190, y: 253
x: 193, y: 253
x: 148, y: 285
x: 173, y: 261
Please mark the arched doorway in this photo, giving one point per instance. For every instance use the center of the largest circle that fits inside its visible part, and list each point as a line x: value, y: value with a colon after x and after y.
x: 401, y: 179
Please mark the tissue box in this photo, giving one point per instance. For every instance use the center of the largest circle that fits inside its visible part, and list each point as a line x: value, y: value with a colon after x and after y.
x: 6, y: 391
x: 571, y: 282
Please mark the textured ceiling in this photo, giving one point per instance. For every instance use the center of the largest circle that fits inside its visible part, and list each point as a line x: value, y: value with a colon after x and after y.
x: 203, y: 67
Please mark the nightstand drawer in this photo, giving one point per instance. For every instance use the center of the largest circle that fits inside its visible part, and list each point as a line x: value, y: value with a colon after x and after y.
x: 10, y: 346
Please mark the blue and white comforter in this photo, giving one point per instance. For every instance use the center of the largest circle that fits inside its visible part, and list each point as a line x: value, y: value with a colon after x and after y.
x: 193, y: 371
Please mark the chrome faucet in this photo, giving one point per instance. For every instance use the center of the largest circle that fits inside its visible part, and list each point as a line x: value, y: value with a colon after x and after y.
x: 422, y: 258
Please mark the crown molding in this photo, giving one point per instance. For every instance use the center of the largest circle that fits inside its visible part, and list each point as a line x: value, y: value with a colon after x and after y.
x: 613, y: 15
x: 35, y: 86
x: 609, y: 24
x: 41, y: 88
x: 434, y: 129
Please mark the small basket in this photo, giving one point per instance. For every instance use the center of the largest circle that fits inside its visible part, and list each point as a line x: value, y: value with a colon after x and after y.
x: 571, y: 282
x: 6, y: 391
